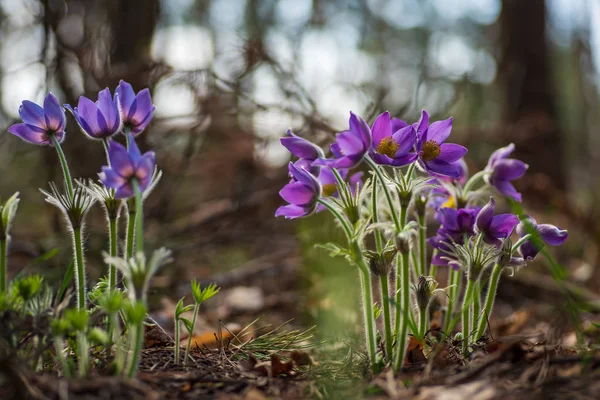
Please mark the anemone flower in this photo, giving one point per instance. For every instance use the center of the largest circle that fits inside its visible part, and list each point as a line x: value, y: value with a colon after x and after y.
x: 458, y: 223
x: 391, y: 147
x: 435, y: 156
x: 125, y: 167
x: 99, y: 120
x: 136, y: 110
x: 546, y: 234
x: 40, y: 125
x: 494, y: 227
x: 329, y: 184
x: 502, y: 170
x: 350, y: 146
x: 301, y: 193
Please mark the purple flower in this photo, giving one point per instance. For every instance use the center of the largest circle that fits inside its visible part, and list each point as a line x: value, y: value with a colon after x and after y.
x: 125, y: 166
x: 456, y: 225
x: 350, y: 146
x: 391, y: 147
x: 542, y: 234
x: 136, y: 110
x: 495, y: 227
x: 503, y: 170
x: 301, y: 147
x: 435, y: 156
x: 329, y: 184
x: 99, y: 120
x: 40, y: 124
x: 302, y: 193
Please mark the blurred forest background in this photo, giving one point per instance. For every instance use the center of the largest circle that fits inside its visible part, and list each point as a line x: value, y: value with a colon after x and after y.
x: 228, y: 77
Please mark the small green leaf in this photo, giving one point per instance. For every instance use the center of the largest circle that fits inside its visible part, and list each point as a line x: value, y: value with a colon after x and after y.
x: 188, y: 325
x: 68, y: 278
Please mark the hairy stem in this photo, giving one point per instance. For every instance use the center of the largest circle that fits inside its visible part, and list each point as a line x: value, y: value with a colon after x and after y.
x: 387, y: 316
x: 112, y: 244
x: 176, y: 346
x: 475, y: 307
x: 83, y: 360
x: 387, y: 193
x: 64, y: 165
x: 489, y: 301
x: 139, y: 223
x: 422, y: 266
x: 466, y: 307
x: 367, y: 303
x: 131, y: 218
x: 62, y: 360
x: 404, y: 280
x: 423, y: 322
x: 79, y: 269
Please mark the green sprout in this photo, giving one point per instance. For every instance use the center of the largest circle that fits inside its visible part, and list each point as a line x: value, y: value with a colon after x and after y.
x: 200, y: 296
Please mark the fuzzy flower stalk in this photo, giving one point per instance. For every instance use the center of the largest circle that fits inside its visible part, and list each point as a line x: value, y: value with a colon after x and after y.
x: 8, y: 210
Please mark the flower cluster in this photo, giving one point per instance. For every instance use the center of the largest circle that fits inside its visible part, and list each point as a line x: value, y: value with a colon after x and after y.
x: 416, y: 160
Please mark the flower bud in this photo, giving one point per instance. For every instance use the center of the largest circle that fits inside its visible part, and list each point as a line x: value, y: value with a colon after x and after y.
x: 403, y: 243
x: 381, y: 264
x: 424, y: 290
x: 404, y: 196
x: 420, y: 205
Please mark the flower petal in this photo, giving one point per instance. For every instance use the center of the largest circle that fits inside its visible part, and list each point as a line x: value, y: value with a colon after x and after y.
x: 30, y: 134
x: 86, y: 114
x: 451, y: 152
x: 507, y: 189
x: 397, y: 124
x: 442, y: 167
x: 529, y: 250
x: 503, y: 225
x: 144, y: 170
x: 381, y: 128
x: 501, y: 154
x: 440, y: 130
x: 423, y: 123
x: 361, y: 129
x: 301, y: 147
x: 126, y: 97
x: 111, y: 179
x: 32, y: 114
x: 526, y: 226
x: 508, y: 170
x: 120, y: 160
x: 109, y: 110
x: 297, y: 193
x: 552, y: 235
x: 406, y: 139
x: 485, y: 216
x: 449, y: 218
x: 54, y: 114
x: 124, y: 192
x: 290, y: 211
x: 141, y: 107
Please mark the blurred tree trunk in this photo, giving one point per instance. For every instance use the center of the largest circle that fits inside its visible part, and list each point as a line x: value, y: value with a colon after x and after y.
x: 525, y: 79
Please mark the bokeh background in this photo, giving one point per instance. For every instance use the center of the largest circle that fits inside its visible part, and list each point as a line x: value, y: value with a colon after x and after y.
x: 228, y: 77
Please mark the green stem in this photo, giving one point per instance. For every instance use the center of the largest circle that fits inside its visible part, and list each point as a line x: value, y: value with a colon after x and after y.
x: 466, y: 307
x: 339, y: 217
x: 368, y: 314
x: 191, y: 334
x: 176, y: 346
x: 473, y: 180
x: 105, y: 144
x: 476, y: 307
x: 387, y: 316
x: 377, y: 233
x: 489, y: 301
x: 137, y: 339
x: 112, y: 244
x: 432, y: 270
x: 131, y: 218
x: 126, y: 133
x: 404, y: 281
x: 386, y: 191
x: 423, y: 322
x: 403, y: 215
x: 83, y: 361
x: 454, y: 281
x: 58, y: 348
x: 64, y: 165
x: 139, y: 224
x: 422, y: 267
x: 79, y: 269
x: 3, y: 273
x: 520, y: 242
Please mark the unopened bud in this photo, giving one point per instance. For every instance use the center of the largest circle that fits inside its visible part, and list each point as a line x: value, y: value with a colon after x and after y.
x: 505, y: 255
x: 404, y: 197
x: 403, y: 243
x: 381, y: 264
x: 424, y: 290
x: 420, y: 205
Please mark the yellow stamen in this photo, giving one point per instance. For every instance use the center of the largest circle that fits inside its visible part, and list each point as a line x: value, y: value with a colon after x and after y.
x: 329, y: 189
x: 431, y: 150
x: 450, y: 203
x: 388, y: 147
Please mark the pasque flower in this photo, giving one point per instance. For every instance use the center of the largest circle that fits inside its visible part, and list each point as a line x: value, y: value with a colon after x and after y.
x: 502, y: 170
x: 350, y: 146
x: 301, y: 193
x: 98, y: 120
x: 392, y: 147
x: 41, y: 124
x: 456, y: 225
x: 125, y: 167
x: 435, y: 156
x: 329, y: 184
x: 136, y: 110
x: 495, y: 227
x: 301, y: 147
x: 542, y: 234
